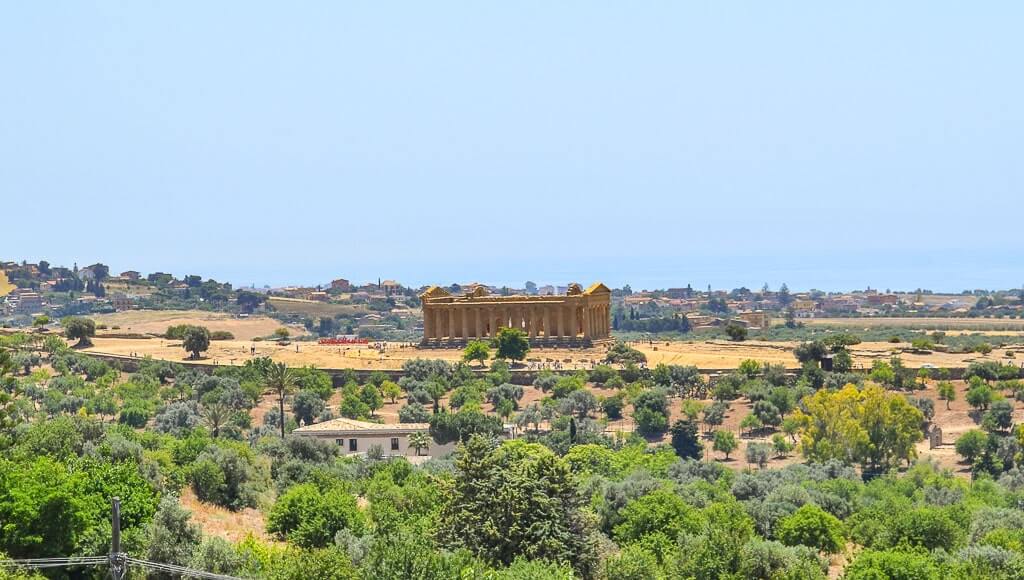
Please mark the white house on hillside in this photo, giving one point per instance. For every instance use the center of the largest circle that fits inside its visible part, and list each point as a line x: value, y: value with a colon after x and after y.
x: 358, y: 437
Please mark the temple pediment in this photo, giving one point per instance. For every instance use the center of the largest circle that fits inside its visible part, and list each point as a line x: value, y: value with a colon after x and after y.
x: 435, y: 292
x: 597, y: 288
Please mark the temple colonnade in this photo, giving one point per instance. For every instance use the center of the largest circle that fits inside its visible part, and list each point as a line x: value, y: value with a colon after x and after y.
x: 574, y: 317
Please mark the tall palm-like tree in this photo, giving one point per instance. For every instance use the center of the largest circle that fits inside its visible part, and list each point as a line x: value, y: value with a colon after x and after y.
x: 215, y: 415
x: 419, y: 440
x: 281, y: 379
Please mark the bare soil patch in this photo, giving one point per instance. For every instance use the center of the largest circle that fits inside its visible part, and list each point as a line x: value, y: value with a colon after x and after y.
x: 222, y: 522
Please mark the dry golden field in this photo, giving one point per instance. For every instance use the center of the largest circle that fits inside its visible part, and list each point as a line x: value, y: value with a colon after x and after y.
x: 705, y: 354
x: 714, y: 354
x: 5, y: 285
x: 157, y: 321
x: 922, y: 323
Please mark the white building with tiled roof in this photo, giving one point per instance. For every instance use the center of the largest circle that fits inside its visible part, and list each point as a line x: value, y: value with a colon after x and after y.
x: 358, y: 437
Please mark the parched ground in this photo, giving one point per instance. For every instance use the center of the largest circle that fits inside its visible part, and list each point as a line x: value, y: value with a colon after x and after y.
x: 711, y: 354
x: 922, y: 323
x: 721, y: 354
x: 5, y: 285
x: 222, y: 522
x: 157, y: 321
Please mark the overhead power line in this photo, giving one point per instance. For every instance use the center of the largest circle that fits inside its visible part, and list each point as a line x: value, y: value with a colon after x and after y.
x: 117, y: 561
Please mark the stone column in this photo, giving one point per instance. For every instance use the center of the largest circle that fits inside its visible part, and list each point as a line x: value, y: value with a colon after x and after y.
x: 587, y: 328
x: 573, y: 324
x: 427, y: 319
x: 547, y: 321
x: 465, y: 312
x: 478, y: 318
x: 532, y: 320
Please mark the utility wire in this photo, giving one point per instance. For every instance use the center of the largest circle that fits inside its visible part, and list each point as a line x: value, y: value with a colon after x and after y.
x: 67, y: 562
x: 53, y: 562
x: 174, y: 569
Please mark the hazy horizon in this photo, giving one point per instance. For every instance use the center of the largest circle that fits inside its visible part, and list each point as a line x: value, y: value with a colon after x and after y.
x: 813, y: 275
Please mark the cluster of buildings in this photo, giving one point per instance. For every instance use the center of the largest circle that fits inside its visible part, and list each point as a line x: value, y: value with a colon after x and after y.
x: 755, y: 309
x: 23, y: 302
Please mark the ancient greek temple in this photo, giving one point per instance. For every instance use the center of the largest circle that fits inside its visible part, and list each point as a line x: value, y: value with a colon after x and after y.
x: 577, y: 318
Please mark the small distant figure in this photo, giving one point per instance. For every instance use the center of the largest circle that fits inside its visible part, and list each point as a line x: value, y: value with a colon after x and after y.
x: 252, y: 350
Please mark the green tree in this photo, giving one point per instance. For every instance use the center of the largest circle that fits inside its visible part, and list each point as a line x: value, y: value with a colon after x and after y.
x: 725, y: 442
x: 372, y: 397
x: 390, y: 390
x: 215, y: 415
x: 685, y: 440
x: 749, y: 368
x: 869, y: 426
x: 80, y: 329
x: 518, y: 499
x: 750, y: 424
x: 41, y: 508
x: 436, y: 389
x: 971, y: 444
x: 281, y: 380
x: 307, y: 406
x: 980, y: 396
x: 999, y: 417
x: 759, y: 453
x: 813, y: 527
x: 633, y: 562
x: 781, y: 446
x: 352, y: 405
x: 310, y: 517
x: 511, y: 344
x: 893, y: 564
x: 448, y: 427
x: 282, y: 333
x: 842, y: 361
x: 196, y: 340
x: 767, y: 413
x: 476, y: 350
x: 419, y: 440
x: 172, y: 537
x: 612, y: 406
x: 736, y: 331
x: 650, y: 412
x: 947, y: 392
x: 659, y: 512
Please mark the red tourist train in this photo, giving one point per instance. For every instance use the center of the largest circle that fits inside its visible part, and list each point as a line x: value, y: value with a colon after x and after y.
x: 343, y: 340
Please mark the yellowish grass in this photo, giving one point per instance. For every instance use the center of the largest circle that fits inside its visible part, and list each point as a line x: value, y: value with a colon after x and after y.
x: 715, y: 354
x: 157, y: 321
x: 923, y: 323
x: 5, y: 285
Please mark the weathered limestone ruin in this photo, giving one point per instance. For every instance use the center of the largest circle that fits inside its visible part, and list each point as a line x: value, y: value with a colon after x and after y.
x: 579, y: 318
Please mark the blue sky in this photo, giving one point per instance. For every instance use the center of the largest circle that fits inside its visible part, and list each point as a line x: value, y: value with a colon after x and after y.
x: 650, y: 143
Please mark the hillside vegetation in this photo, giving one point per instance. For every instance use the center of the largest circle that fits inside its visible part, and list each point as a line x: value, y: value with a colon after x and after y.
x: 685, y: 495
